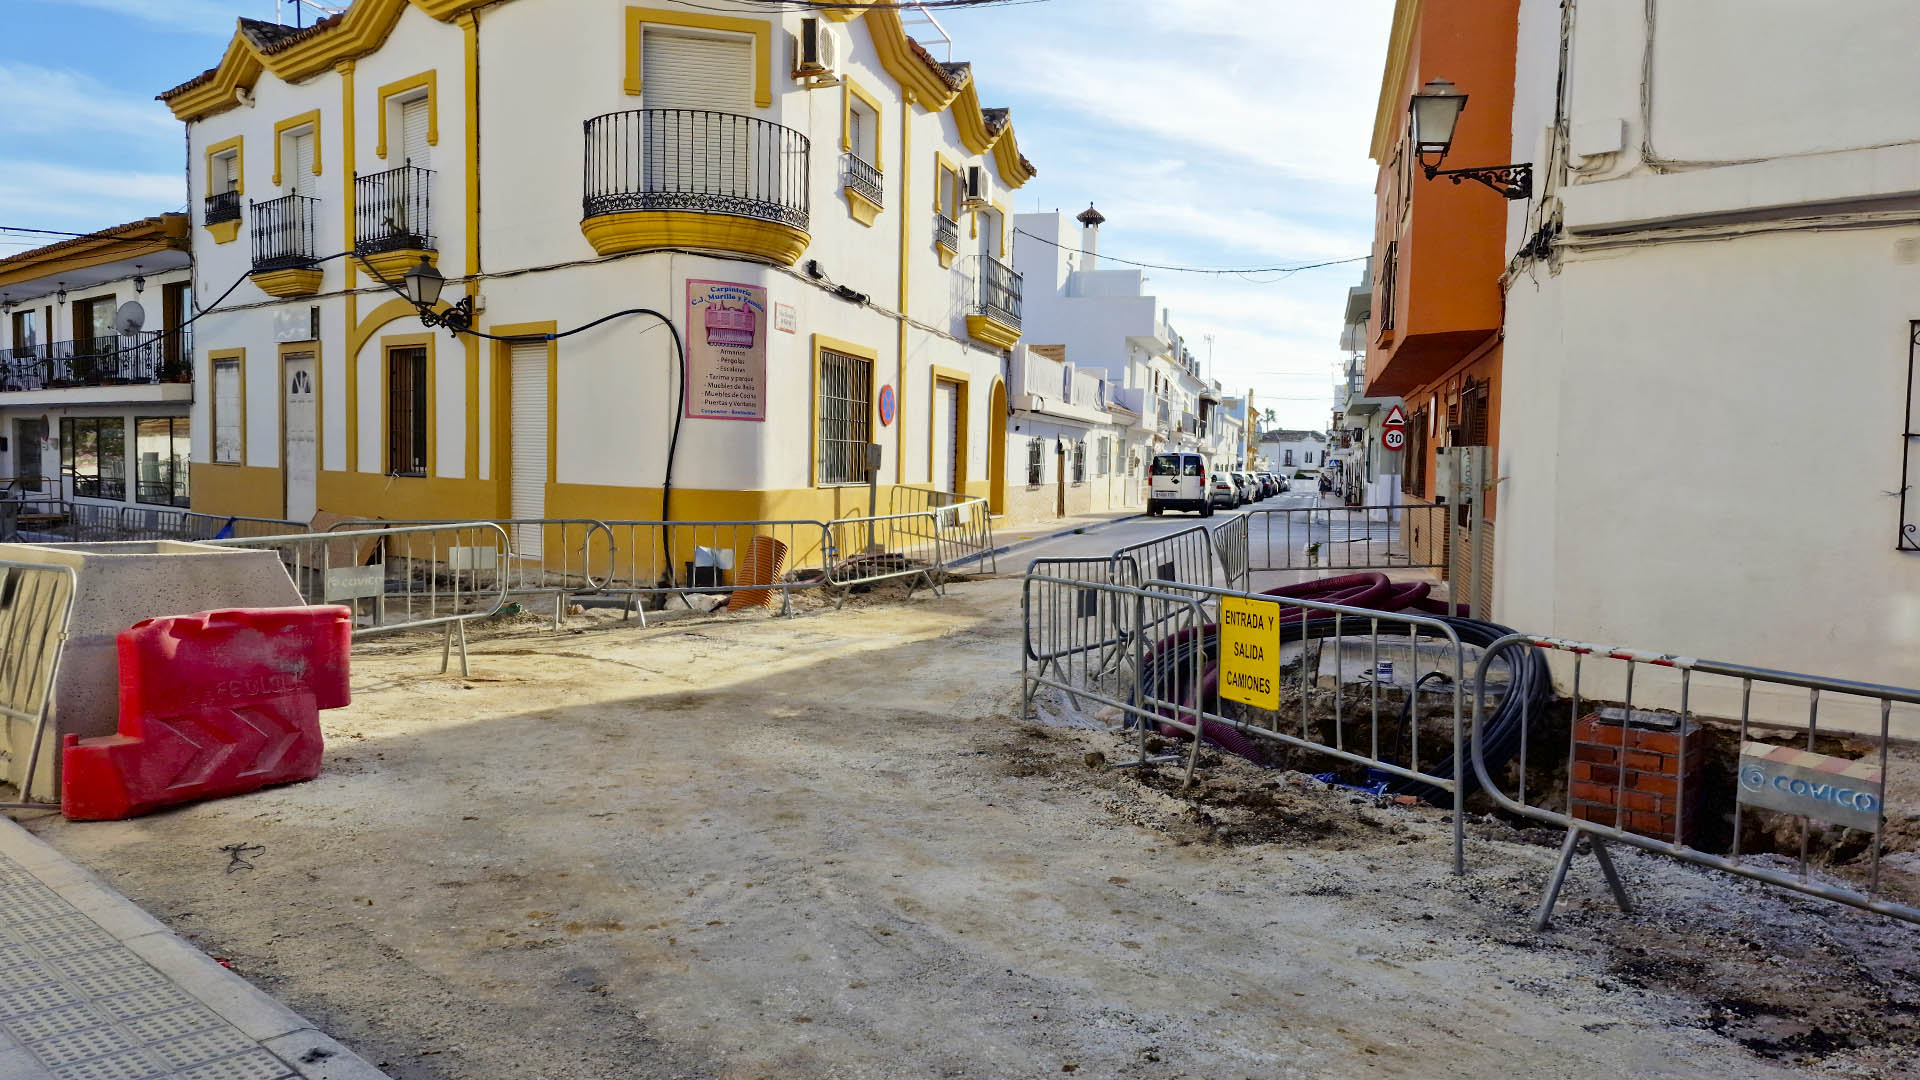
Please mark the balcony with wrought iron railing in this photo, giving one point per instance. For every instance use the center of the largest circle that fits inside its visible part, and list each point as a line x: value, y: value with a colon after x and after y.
x: 866, y: 194
x: 692, y: 178
x: 393, y: 220
x: 995, y: 314
x: 284, y: 254
x: 946, y: 237
x: 152, y: 359
x: 221, y: 206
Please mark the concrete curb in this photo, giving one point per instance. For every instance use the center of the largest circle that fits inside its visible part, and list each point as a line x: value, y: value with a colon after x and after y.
x: 277, y: 1028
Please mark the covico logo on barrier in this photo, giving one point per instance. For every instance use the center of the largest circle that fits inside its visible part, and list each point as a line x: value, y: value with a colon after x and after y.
x: 1793, y: 781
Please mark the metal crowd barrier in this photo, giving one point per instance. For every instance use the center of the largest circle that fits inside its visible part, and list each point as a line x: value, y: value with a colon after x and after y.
x: 1066, y: 646
x: 868, y: 550
x: 965, y: 523
x: 95, y: 523
x: 36, y: 609
x: 1320, y: 625
x: 1185, y: 556
x: 1346, y: 537
x: 1625, y: 791
x: 682, y: 558
x: 557, y: 557
x: 1114, y: 634
x: 400, y: 578
x: 1230, y: 545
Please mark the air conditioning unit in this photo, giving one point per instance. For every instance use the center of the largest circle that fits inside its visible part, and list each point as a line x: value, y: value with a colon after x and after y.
x: 979, y: 186
x: 816, y: 54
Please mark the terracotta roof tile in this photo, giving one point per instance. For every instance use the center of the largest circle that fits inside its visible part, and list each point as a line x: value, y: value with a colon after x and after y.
x: 162, y: 221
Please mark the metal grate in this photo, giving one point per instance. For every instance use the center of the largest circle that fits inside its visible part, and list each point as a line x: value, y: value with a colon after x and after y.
x: 946, y: 232
x: 393, y: 211
x: 694, y: 159
x: 846, y: 404
x: 407, y: 412
x: 283, y: 233
x: 862, y: 177
x: 221, y: 206
x: 999, y: 291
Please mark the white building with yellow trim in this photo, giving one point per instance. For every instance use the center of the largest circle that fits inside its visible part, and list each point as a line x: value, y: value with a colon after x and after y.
x: 818, y: 206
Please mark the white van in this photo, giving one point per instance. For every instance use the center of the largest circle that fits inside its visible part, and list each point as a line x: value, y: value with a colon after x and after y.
x: 1178, y: 482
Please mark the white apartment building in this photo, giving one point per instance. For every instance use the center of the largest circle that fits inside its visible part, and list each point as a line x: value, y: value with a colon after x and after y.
x: 1074, y: 448
x: 1369, y: 470
x: 96, y: 367
x: 1690, y: 301
x: 1291, y: 453
x: 1103, y: 320
x: 816, y: 205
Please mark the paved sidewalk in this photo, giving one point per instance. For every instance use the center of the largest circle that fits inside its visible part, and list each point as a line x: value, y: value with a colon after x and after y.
x: 93, y: 988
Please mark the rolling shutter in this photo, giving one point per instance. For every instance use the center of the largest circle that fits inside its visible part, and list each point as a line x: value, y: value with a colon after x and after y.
x: 226, y: 172
x: 413, y: 132
x: 707, y: 147
x: 529, y: 445
x: 302, y: 179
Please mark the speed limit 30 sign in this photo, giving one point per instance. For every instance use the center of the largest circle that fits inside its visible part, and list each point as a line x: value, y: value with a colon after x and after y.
x: 1394, y: 438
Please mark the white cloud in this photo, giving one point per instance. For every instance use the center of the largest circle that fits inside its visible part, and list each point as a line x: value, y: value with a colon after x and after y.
x: 193, y: 16
x: 52, y: 102
x: 64, y: 197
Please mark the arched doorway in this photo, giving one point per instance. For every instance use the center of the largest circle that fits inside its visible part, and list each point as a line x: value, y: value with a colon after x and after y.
x: 996, y: 428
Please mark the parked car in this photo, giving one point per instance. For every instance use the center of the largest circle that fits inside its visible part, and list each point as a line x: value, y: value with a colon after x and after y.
x: 1281, y: 480
x: 1222, y: 491
x: 1248, y: 491
x: 1272, y: 483
x: 1178, y: 482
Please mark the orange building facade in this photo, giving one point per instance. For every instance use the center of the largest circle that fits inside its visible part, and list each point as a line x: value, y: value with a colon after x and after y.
x: 1438, y: 254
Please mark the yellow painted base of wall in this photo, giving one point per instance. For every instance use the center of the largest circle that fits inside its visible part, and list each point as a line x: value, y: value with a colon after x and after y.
x: 286, y: 283
x: 647, y: 230
x: 224, y: 232
x: 408, y: 498
x: 992, y: 331
x: 247, y: 491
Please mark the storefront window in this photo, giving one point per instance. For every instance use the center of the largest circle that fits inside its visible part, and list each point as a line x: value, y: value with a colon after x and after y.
x: 161, y: 448
x: 93, y: 454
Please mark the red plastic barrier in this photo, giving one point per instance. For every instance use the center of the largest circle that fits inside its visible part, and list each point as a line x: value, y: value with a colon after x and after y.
x: 211, y: 704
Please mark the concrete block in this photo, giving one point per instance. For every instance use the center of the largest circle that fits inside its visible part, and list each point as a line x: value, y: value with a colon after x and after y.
x: 119, y: 585
x: 317, y: 1057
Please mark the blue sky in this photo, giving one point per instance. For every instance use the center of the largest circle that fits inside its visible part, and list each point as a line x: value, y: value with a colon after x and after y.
x: 1209, y: 132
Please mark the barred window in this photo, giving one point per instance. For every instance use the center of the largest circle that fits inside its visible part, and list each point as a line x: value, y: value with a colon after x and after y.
x: 1034, y: 466
x: 1106, y: 457
x: 1080, y: 463
x: 407, y: 411
x: 845, y: 408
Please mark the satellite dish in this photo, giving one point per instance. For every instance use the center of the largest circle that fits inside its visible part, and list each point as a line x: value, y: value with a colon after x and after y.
x: 130, y: 317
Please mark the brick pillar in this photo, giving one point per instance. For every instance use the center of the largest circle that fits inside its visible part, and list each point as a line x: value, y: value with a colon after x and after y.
x: 1641, y: 773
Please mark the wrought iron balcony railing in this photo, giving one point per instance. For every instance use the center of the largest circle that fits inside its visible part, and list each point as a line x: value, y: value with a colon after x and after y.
x: 283, y: 233
x: 221, y: 206
x: 695, y: 160
x: 863, y: 178
x: 393, y: 211
x: 115, y: 360
x: 998, y: 294
x: 946, y: 232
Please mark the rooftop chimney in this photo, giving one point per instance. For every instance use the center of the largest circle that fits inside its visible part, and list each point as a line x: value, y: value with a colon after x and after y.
x: 1090, y: 220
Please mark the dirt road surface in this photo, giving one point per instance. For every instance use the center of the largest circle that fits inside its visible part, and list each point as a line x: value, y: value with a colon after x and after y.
x: 825, y: 848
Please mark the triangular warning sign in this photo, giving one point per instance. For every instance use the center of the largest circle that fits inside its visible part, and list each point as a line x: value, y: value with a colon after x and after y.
x: 1396, y: 417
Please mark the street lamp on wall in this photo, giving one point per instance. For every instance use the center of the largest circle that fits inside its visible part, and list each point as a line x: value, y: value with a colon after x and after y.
x: 423, y: 289
x: 1435, y: 112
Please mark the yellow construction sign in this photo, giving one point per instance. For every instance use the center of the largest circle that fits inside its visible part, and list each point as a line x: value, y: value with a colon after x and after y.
x: 1250, y: 652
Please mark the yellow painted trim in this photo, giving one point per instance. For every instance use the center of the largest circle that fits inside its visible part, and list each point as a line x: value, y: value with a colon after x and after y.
x: 864, y: 210
x: 224, y: 232
x: 943, y: 167
x: 310, y: 118
x: 646, y: 230
x: 214, y: 356
x: 503, y: 407
x: 841, y: 14
x: 897, y: 56
x: 470, y: 38
x: 247, y: 490
x: 848, y: 91
x: 237, y: 144
x: 239, y: 67
x: 348, y: 170
x: 971, y: 122
x: 1006, y: 157
x: 430, y: 81
x: 288, y: 283
x: 393, y: 265
x: 872, y: 357
x: 906, y: 277
x: 297, y: 348
x: 936, y: 374
x: 1006, y: 223
x: 1386, y: 114
x: 992, y: 331
x: 996, y: 429
x: 761, y: 29
x: 388, y: 343
x: 358, y: 336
